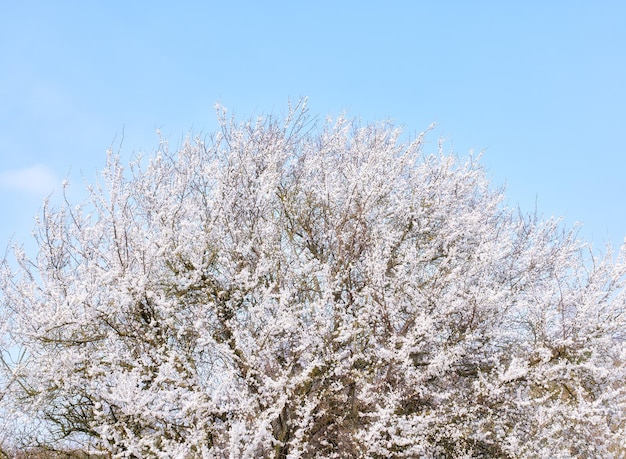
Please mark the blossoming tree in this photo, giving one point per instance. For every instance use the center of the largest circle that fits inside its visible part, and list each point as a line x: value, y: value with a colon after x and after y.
x: 289, y: 290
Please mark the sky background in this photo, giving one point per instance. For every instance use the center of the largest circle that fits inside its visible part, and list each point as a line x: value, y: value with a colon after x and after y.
x: 539, y: 86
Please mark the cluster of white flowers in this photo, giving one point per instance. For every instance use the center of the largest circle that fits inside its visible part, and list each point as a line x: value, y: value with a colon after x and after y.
x: 289, y: 291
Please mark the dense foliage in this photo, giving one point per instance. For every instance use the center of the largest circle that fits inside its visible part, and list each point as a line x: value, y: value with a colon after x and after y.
x: 289, y: 290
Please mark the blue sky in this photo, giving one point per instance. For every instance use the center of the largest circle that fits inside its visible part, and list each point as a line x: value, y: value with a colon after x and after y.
x: 539, y: 86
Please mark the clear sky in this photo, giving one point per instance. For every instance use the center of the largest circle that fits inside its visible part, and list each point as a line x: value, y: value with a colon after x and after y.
x: 539, y: 86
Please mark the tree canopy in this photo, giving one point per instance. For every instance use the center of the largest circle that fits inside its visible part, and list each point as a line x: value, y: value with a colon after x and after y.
x: 289, y: 289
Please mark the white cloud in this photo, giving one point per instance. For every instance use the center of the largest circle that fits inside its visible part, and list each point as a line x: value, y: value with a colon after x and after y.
x: 37, y: 179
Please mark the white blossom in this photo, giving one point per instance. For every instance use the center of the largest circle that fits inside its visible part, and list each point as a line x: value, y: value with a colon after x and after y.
x: 289, y: 290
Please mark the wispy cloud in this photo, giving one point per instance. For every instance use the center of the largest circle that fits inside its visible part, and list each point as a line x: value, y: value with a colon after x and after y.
x: 37, y: 179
